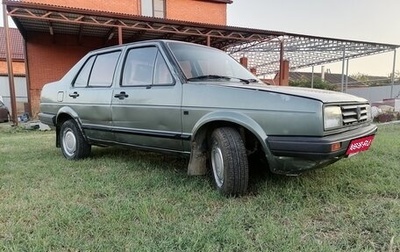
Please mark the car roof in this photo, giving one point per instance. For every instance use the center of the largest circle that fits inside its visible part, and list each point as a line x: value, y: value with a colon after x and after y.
x: 159, y: 41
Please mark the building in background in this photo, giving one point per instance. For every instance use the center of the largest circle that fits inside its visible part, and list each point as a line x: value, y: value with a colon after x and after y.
x: 18, y: 63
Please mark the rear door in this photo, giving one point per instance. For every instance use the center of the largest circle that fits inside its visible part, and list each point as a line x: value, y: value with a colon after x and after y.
x: 90, y: 95
x: 146, y: 105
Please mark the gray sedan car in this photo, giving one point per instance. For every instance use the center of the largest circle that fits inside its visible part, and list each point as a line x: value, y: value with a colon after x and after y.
x: 190, y: 99
x: 4, y: 113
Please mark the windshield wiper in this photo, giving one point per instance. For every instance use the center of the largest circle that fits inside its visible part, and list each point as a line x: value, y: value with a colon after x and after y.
x: 252, y: 80
x: 209, y: 76
x: 214, y: 76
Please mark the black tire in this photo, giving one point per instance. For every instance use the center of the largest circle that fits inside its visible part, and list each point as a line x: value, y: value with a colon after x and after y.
x: 73, y: 144
x: 229, y: 163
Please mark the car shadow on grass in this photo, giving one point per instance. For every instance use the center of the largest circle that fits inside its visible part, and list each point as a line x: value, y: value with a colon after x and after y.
x: 260, y: 177
x: 154, y: 159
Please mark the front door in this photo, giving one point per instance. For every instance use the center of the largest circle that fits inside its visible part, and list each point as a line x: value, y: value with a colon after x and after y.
x: 146, y: 105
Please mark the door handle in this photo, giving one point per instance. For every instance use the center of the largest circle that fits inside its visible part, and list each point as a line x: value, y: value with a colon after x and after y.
x: 74, y: 95
x: 122, y: 95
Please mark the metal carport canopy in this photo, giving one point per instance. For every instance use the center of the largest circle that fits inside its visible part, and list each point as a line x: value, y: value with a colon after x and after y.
x: 264, y: 49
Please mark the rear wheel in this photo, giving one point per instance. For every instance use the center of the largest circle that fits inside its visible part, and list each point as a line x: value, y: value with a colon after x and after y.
x: 230, y: 168
x: 73, y: 144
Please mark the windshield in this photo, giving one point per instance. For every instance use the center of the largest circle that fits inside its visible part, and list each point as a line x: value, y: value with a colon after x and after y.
x: 200, y: 63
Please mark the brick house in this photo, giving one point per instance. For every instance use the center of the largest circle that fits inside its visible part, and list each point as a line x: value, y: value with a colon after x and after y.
x: 49, y: 55
x: 17, y: 52
x: 18, y: 64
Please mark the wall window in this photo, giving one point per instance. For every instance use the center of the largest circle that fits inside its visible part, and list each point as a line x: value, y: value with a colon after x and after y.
x: 153, y: 8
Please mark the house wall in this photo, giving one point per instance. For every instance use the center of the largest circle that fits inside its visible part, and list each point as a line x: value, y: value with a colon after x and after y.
x: 196, y: 11
x: 188, y: 10
x: 375, y: 94
x: 18, y: 68
x: 21, y: 93
x: 120, y: 6
x: 21, y: 90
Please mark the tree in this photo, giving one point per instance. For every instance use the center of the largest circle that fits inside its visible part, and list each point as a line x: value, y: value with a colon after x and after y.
x: 376, y: 80
x: 396, y: 76
x: 364, y: 78
x: 318, y: 83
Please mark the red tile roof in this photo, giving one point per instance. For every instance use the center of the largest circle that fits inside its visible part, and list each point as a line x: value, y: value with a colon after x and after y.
x: 16, y: 42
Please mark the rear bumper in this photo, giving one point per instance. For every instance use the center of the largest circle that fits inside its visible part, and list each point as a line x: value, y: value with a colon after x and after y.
x: 48, y: 119
x: 294, y: 154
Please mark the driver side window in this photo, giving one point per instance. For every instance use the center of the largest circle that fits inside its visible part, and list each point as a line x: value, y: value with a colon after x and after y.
x: 145, y: 66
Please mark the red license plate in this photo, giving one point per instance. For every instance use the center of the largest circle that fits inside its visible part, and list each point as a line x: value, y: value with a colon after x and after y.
x: 358, y: 145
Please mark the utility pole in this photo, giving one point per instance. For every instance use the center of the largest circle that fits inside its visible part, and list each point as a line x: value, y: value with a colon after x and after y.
x: 10, y: 69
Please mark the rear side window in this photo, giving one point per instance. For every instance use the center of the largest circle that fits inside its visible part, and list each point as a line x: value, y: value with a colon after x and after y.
x: 98, y: 70
x: 145, y: 66
x: 103, y: 69
x: 83, y: 76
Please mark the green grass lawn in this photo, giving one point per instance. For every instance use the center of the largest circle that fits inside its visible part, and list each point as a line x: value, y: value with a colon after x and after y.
x: 123, y: 200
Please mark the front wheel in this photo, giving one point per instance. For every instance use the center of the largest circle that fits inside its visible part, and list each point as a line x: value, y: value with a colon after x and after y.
x: 229, y: 162
x: 73, y: 144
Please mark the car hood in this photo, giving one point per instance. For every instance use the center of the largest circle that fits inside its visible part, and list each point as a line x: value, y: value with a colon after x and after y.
x: 325, y: 96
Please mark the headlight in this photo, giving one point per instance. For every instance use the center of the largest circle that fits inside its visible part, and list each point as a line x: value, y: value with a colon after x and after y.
x: 332, y: 117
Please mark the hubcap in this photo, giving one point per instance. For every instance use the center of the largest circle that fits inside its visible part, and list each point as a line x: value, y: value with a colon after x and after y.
x: 69, y: 142
x: 217, y: 163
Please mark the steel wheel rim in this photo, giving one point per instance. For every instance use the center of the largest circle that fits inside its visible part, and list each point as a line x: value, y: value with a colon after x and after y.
x: 69, y: 142
x: 217, y: 163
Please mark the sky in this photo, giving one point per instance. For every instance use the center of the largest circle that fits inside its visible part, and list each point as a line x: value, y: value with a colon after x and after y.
x: 365, y: 20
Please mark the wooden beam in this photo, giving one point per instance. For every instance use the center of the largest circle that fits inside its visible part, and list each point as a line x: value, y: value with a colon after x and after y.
x: 10, y: 68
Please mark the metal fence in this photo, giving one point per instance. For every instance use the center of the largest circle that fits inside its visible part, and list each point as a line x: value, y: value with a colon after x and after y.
x: 376, y: 94
x: 21, y: 91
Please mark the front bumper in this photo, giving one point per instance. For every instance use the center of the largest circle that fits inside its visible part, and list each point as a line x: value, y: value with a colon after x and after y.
x: 296, y: 154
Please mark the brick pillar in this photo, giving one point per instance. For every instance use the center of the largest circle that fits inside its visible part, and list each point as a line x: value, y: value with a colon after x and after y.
x: 285, y: 73
x: 243, y: 61
x: 253, y: 70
